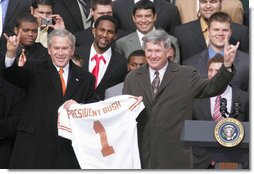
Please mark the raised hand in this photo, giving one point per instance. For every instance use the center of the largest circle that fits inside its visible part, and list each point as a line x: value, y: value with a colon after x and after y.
x: 22, y: 58
x: 12, y: 44
x: 229, y: 52
x: 59, y: 23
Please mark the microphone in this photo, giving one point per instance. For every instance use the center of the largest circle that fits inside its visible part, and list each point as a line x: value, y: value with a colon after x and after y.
x: 237, y: 109
x: 223, y: 107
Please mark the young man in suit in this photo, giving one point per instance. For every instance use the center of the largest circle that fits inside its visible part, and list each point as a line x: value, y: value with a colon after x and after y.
x: 168, y: 91
x: 111, y: 68
x: 144, y: 16
x: 168, y: 15
x: 12, y: 101
x: 193, y: 36
x: 97, y: 8
x: 219, y: 28
x: 43, y: 11
x: 27, y: 30
x: 203, y: 110
x: 49, y: 84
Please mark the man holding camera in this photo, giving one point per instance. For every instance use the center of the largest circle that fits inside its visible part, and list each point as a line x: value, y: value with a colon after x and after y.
x: 43, y: 11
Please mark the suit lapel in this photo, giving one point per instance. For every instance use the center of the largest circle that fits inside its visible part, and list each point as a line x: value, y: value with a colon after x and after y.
x: 74, y: 12
x: 144, y: 82
x: 134, y: 41
x: 197, y: 34
x: 206, y: 108
x: 203, y: 60
x: 74, y: 79
x: 54, y: 78
x: 110, y: 69
x: 168, y: 76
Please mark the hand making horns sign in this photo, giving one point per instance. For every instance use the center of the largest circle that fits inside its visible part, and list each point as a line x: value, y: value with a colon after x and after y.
x: 229, y: 52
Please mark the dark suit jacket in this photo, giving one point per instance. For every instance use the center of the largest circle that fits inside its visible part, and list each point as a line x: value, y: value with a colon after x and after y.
x: 85, y: 37
x: 70, y: 12
x: 38, y: 145
x: 241, y: 63
x: 115, y: 73
x: 202, y: 111
x: 160, y: 123
x: 191, y: 40
x: 11, y: 107
x: 167, y: 15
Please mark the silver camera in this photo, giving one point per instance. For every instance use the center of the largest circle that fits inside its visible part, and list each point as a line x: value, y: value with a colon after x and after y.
x: 46, y: 21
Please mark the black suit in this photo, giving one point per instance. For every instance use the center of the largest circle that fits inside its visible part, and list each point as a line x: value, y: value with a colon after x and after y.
x: 38, y: 144
x: 191, y: 40
x: 85, y: 37
x: 167, y: 15
x: 70, y: 12
x: 115, y: 73
x: 241, y: 63
x: 11, y: 107
x: 202, y: 111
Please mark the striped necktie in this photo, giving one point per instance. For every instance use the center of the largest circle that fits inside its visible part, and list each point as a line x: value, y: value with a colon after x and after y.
x: 156, y: 83
x: 84, y: 7
x: 216, y: 111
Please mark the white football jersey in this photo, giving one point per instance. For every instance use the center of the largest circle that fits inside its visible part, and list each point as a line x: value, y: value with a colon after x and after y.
x: 103, y: 134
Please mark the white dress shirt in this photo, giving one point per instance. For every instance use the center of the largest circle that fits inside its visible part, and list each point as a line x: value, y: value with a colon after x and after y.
x: 227, y: 94
x: 161, y: 71
x: 103, y: 66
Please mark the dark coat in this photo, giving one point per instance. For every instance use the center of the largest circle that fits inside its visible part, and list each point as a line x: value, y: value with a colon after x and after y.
x: 160, y: 123
x: 11, y: 107
x: 38, y: 145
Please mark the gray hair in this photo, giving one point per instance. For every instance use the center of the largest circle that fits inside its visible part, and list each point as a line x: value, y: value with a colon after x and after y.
x: 157, y: 36
x: 61, y: 33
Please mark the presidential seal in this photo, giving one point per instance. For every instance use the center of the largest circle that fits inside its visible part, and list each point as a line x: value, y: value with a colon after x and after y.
x: 229, y: 132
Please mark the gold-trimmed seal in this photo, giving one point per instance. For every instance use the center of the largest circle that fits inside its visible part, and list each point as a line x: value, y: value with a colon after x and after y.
x: 229, y: 132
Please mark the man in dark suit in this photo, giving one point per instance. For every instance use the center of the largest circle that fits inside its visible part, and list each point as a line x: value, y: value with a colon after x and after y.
x: 219, y: 28
x: 193, y: 36
x: 167, y: 15
x: 26, y: 30
x: 97, y: 8
x: 75, y: 19
x: 202, y: 110
x: 12, y: 100
x: 113, y: 66
x: 168, y: 91
x: 50, y: 83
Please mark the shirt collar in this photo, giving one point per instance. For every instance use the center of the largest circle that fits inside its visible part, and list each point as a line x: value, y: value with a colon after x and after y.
x: 211, y: 53
x: 107, y: 54
x: 204, y: 25
x: 65, y: 69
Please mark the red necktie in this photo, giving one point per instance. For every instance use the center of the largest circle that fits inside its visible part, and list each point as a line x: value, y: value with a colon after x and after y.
x: 61, y: 71
x: 216, y: 111
x: 95, y: 71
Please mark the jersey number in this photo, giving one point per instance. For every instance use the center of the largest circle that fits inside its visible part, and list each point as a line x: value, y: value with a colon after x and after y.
x: 106, y: 148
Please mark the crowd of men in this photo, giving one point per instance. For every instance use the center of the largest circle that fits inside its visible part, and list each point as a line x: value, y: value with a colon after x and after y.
x: 178, y: 55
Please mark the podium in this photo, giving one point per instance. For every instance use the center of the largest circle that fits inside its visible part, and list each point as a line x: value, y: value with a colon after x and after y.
x: 199, y: 133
